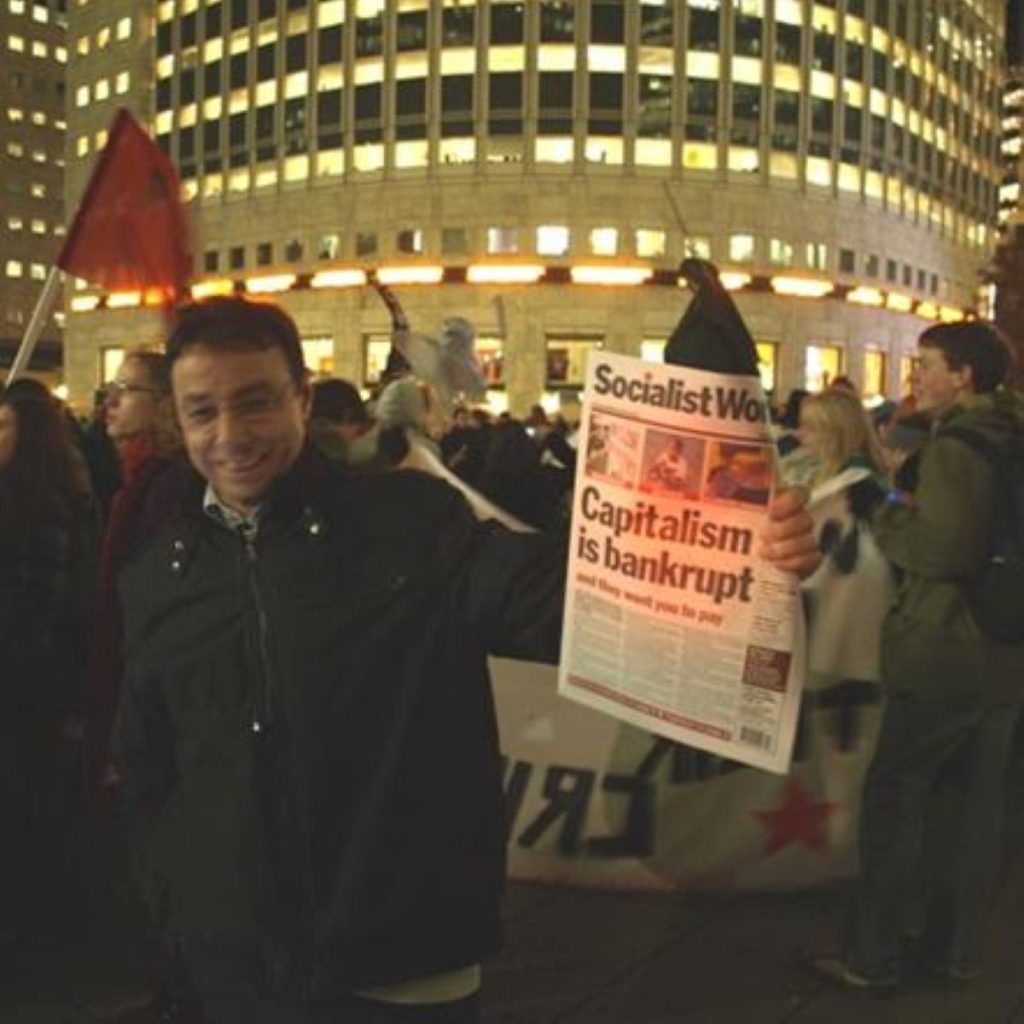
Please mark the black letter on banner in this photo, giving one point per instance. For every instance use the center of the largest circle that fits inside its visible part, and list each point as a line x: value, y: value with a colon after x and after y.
x: 570, y: 803
x: 847, y: 699
x: 515, y: 789
x: 638, y: 838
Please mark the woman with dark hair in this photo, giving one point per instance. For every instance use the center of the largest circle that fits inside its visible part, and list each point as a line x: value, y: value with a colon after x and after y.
x: 44, y: 588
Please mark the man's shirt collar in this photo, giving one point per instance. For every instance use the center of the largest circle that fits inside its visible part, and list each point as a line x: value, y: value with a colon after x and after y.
x: 219, y: 512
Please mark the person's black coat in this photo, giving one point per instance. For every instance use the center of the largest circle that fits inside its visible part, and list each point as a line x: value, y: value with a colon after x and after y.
x: 306, y: 729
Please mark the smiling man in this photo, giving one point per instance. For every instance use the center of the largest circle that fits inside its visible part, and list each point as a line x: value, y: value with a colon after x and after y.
x: 306, y: 731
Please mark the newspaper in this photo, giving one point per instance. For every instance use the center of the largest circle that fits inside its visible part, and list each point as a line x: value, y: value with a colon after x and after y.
x: 672, y: 621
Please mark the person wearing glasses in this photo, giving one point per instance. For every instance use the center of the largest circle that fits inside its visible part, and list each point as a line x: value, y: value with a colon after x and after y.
x: 306, y: 730
x: 140, y: 422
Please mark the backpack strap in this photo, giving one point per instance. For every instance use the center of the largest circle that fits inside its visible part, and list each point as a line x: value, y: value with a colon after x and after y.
x: 995, y: 455
x: 1008, y: 483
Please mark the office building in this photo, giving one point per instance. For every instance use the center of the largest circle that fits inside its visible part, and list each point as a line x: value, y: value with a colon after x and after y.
x: 32, y: 128
x: 542, y: 167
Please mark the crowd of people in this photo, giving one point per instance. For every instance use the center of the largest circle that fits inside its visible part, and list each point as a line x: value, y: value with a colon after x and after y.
x: 229, y: 617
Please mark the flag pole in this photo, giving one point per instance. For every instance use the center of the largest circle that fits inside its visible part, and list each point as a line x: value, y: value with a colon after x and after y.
x: 35, y: 325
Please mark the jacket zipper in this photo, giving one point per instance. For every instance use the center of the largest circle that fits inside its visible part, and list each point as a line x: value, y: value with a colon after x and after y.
x: 262, y: 709
x: 263, y: 715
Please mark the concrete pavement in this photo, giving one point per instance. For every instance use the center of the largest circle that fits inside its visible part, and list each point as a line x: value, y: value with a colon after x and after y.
x: 577, y: 956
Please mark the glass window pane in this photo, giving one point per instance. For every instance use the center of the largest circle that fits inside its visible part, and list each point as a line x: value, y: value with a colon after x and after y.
x: 557, y: 21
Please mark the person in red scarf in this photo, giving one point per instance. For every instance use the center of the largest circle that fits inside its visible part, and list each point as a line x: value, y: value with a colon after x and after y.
x: 140, y: 422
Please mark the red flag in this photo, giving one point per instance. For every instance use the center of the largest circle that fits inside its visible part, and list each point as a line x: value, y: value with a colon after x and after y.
x: 130, y: 232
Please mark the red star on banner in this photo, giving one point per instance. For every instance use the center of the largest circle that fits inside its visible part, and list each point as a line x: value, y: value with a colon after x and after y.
x: 798, y: 819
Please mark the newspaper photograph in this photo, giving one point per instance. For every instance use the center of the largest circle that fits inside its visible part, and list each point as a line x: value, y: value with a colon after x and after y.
x: 672, y: 622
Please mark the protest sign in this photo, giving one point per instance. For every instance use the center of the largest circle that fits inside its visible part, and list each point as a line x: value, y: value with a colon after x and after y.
x: 672, y: 622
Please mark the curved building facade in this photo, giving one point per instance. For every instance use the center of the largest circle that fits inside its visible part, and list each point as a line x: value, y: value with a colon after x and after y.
x: 542, y: 168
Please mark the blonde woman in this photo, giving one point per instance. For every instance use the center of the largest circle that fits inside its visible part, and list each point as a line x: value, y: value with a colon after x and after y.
x: 836, y: 431
x: 850, y: 593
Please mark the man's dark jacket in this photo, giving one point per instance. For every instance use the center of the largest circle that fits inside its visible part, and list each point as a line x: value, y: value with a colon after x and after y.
x: 306, y: 727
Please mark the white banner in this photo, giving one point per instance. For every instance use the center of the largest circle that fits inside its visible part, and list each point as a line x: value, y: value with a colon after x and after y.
x: 672, y: 622
x: 594, y: 802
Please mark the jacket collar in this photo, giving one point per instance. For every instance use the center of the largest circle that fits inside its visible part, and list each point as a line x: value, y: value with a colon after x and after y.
x: 298, y: 494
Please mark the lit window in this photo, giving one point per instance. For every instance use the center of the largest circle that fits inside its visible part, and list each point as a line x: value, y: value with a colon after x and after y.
x: 650, y: 243
x: 368, y: 158
x: 767, y: 361
x: 318, y: 354
x: 14, y: 115
x: 16, y: 6
x: 38, y: 117
x: 40, y: 49
x: 15, y: 268
x: 653, y: 152
x: 121, y: 82
x: 82, y: 45
x: 296, y: 168
x: 700, y: 156
x: 16, y: 43
x: 603, y: 150
x: 552, y: 240
x: 331, y: 161
x: 103, y: 37
x: 741, y: 248
x: 38, y: 272
x: 37, y: 190
x: 780, y: 253
x: 745, y: 160
x: 15, y: 223
x: 457, y: 151
x: 875, y: 373
x: 411, y: 154
x: 652, y: 350
x: 60, y: 53
x: 490, y: 355
x: 124, y: 28
x: 328, y: 247
x: 817, y: 255
x: 40, y: 14
x: 377, y: 348
x: 111, y: 358
x: 38, y: 227
x: 15, y: 149
x: 82, y: 96
x: 39, y: 156
x: 101, y: 138
x: 567, y: 359
x: 502, y: 240
x: 604, y: 241
x: 103, y: 89
x: 82, y: 145
x: 409, y: 240
x: 698, y: 246
x: 822, y: 364
x: 554, y: 151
